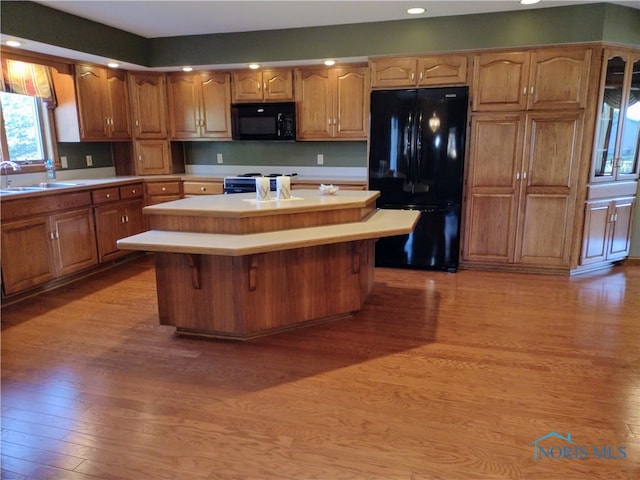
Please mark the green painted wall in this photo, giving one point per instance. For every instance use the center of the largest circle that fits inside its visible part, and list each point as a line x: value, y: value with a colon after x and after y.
x: 336, y: 154
x: 36, y: 22
x: 75, y: 152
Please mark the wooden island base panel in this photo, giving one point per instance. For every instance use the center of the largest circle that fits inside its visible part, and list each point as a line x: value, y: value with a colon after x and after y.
x: 228, y: 266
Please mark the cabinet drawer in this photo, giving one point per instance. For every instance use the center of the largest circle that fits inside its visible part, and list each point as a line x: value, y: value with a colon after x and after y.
x: 163, y: 188
x: 105, y: 195
x: 202, y: 188
x: 18, y: 208
x: 131, y: 191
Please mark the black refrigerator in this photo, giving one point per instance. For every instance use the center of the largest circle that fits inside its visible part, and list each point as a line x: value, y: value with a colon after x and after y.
x: 416, y: 158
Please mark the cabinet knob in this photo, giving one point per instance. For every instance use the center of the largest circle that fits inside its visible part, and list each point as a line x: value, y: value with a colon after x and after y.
x: 164, y: 189
x: 133, y: 191
x: 203, y: 189
x: 108, y: 195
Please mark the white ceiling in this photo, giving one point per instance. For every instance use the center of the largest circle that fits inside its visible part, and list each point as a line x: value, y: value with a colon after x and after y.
x: 168, y: 18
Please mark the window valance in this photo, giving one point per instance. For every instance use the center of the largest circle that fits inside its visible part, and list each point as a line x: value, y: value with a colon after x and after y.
x: 27, y: 79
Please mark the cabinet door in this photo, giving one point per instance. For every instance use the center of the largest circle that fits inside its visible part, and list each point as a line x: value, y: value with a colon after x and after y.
x: 75, y: 245
x: 108, y: 230
x: 184, y: 106
x: 92, y: 102
x: 621, y: 229
x: 559, y: 78
x: 149, y: 102
x: 595, y: 241
x: 493, y: 179
x: 152, y: 157
x: 277, y: 85
x: 27, y: 254
x: 393, y: 72
x: 627, y: 166
x: 314, y: 104
x: 119, y: 117
x: 442, y: 70
x: 500, y: 81
x: 351, y: 117
x: 247, y: 86
x: 133, y: 218
x: 548, y: 192
x: 216, y: 106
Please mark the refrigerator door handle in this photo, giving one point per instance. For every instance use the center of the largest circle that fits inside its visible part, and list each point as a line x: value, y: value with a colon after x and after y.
x: 418, y: 159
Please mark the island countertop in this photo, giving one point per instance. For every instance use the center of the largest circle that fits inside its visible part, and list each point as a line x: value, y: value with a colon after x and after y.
x: 245, y: 204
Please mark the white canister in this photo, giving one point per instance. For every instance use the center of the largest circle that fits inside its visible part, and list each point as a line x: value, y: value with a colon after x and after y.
x: 283, y: 187
x: 262, y: 188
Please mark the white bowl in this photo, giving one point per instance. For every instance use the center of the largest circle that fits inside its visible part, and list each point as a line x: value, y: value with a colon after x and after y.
x: 328, y: 189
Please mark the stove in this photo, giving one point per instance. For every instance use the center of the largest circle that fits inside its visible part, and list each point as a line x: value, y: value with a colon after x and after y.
x: 246, y: 182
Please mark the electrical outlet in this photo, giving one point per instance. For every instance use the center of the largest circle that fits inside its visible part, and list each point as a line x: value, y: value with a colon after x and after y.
x: 63, y: 162
x: 320, y: 159
x: 219, y: 158
x: 89, y: 160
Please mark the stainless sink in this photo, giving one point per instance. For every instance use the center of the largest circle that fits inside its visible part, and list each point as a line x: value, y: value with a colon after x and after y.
x: 45, y: 185
x: 20, y: 189
x: 38, y: 187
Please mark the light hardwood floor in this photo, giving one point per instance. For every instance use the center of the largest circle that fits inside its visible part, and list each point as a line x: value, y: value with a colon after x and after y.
x: 440, y: 376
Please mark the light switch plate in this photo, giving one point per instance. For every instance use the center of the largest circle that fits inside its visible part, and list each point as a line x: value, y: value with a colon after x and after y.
x: 63, y: 162
x: 219, y: 158
x: 320, y: 159
x: 89, y: 160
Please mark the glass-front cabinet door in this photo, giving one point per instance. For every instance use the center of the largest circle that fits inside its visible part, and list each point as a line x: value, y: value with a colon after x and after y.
x: 618, y: 128
x: 627, y: 166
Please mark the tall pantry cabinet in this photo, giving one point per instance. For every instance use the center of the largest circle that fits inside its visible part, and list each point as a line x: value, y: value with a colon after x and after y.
x: 526, y: 140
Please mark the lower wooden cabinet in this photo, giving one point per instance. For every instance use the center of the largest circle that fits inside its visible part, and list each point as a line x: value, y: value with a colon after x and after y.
x: 39, y: 249
x: 162, y: 191
x: 607, y: 230
x: 191, y: 188
x: 116, y: 221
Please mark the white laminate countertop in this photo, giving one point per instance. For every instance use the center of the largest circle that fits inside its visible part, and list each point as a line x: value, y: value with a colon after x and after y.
x: 383, y: 223
x: 245, y: 204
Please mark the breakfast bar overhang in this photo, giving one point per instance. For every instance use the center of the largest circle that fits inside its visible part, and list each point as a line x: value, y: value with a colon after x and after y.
x: 231, y: 266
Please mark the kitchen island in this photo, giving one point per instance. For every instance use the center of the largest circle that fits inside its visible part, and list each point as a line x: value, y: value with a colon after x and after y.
x: 230, y: 266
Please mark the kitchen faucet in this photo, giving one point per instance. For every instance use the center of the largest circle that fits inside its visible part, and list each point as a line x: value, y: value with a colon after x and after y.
x: 5, y: 165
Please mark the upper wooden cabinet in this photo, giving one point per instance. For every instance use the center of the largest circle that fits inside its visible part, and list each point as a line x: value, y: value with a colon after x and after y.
x: 199, y: 105
x: 615, y: 154
x: 332, y: 103
x: 262, y: 85
x: 547, y: 78
x: 103, y: 103
x: 418, y: 71
x: 148, y: 104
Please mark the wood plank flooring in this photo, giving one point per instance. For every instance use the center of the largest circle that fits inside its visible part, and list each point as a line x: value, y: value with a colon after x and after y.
x: 440, y: 377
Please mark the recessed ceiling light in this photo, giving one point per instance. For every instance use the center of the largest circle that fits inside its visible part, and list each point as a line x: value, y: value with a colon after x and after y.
x: 528, y: 2
x: 113, y: 64
x: 329, y: 63
x: 13, y: 43
x: 187, y: 69
x: 415, y: 11
x: 254, y: 66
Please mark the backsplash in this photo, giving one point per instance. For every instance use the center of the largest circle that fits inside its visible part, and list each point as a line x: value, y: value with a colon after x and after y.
x: 303, y: 154
x: 76, y: 154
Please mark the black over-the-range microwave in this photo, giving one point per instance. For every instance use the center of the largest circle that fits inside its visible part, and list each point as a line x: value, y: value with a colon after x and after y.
x: 263, y: 121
